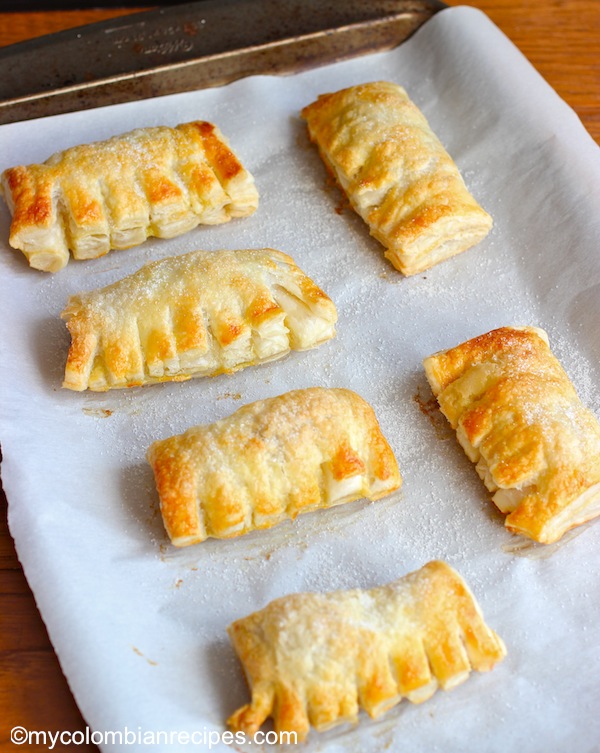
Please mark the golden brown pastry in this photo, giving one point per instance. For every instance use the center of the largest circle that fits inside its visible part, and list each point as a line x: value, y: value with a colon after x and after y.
x: 114, y: 194
x: 517, y: 416
x: 270, y: 461
x: 199, y: 314
x: 315, y: 659
x: 396, y: 174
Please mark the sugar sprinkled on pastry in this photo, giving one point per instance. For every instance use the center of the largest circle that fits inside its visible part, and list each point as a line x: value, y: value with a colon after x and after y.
x: 198, y: 314
x: 397, y: 175
x: 518, y: 417
x: 114, y: 194
x: 315, y: 659
x: 270, y: 461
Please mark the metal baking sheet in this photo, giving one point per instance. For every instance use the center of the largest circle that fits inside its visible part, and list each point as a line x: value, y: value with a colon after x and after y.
x: 194, y: 46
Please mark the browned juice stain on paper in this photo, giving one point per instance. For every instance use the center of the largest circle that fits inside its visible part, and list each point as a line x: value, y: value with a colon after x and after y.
x: 267, y: 556
x: 97, y: 412
x: 431, y: 409
x: 139, y: 653
x: 342, y: 205
x: 332, y: 187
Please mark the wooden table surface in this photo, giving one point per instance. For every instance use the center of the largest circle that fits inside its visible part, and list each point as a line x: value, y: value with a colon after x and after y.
x: 560, y: 38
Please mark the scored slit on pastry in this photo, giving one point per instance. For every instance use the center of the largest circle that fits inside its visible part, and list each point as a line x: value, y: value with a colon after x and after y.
x: 519, y: 418
x: 114, y: 194
x: 396, y: 174
x: 316, y: 659
x: 270, y: 461
x: 198, y: 314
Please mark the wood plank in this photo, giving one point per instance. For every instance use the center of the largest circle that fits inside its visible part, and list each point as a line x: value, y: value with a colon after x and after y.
x: 560, y: 39
x: 17, y: 27
x: 34, y: 694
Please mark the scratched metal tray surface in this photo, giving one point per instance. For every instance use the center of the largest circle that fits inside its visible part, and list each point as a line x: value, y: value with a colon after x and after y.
x: 194, y: 46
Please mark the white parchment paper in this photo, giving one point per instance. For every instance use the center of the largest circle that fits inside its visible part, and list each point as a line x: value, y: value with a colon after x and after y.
x: 140, y: 627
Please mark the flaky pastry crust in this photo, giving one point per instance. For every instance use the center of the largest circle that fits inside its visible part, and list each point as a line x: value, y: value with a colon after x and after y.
x: 92, y: 198
x: 270, y: 461
x: 315, y: 659
x: 198, y: 314
x: 517, y: 415
x: 396, y: 174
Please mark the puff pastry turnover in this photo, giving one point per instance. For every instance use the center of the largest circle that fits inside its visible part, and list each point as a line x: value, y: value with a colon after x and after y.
x: 199, y: 314
x: 114, y: 194
x: 517, y: 415
x: 269, y: 461
x: 397, y: 175
x: 314, y: 659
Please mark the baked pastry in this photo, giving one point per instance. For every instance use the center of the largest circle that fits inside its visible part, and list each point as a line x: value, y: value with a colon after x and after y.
x: 199, y: 314
x: 270, y: 461
x: 314, y: 659
x: 517, y: 415
x: 116, y: 193
x: 396, y: 174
